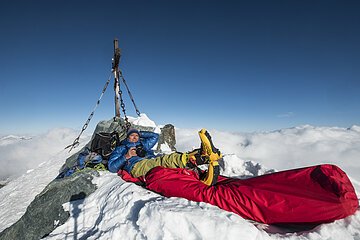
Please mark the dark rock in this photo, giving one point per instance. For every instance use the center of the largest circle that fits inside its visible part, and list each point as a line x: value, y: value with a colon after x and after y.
x: 167, y: 136
x: 114, y: 124
x: 45, y: 212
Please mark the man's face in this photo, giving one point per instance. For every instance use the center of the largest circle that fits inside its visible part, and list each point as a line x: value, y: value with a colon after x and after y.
x: 134, y: 137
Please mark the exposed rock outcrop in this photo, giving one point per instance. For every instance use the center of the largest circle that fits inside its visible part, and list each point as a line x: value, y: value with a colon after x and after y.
x: 167, y: 136
x: 45, y: 212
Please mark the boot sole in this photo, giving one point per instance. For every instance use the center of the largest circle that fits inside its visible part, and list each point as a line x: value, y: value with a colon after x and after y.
x: 212, y: 174
x: 207, y: 144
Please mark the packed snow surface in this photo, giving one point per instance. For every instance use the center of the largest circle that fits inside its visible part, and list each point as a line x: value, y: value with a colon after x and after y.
x: 121, y: 210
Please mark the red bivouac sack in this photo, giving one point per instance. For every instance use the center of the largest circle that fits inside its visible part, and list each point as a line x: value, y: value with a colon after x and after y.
x: 310, y: 195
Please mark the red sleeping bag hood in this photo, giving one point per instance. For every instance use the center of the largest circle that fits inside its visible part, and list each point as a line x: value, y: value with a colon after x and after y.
x: 310, y: 195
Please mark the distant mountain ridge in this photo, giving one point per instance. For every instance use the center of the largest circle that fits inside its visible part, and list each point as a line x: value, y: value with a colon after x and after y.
x: 11, y: 139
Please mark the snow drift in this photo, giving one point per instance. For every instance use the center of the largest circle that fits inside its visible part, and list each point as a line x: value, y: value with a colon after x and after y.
x: 118, y: 209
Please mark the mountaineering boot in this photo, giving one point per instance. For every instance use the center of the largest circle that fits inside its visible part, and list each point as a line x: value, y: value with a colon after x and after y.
x: 212, y: 174
x: 214, y: 155
x: 208, y: 147
x: 195, y: 158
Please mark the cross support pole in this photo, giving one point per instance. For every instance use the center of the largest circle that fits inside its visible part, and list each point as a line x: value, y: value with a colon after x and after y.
x: 115, y: 69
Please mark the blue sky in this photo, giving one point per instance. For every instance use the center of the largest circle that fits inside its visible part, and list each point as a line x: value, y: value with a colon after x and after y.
x: 227, y: 65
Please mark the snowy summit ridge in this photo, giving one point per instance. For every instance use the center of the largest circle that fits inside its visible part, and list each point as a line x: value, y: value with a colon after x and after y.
x: 118, y: 209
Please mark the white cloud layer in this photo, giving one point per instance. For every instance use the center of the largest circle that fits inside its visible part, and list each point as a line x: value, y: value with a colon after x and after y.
x: 288, y: 148
x: 20, y: 154
x: 124, y: 210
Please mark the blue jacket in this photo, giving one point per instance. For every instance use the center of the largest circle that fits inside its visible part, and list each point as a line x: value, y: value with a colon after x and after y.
x: 117, y: 158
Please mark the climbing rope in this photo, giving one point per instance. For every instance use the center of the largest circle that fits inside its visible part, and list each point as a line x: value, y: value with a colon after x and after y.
x: 76, y: 141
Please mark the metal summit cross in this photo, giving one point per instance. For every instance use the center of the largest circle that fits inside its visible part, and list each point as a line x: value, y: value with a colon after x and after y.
x: 119, y: 102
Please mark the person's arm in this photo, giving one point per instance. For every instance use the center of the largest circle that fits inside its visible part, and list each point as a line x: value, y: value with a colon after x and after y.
x: 148, y: 139
x: 117, y: 159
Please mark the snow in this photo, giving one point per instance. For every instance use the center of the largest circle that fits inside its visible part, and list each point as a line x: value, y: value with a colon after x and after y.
x: 142, y: 120
x: 121, y: 210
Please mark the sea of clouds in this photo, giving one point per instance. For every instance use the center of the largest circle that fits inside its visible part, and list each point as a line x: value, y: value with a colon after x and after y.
x: 121, y: 209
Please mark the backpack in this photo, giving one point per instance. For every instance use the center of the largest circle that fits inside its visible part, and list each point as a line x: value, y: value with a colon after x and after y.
x: 104, y: 143
x: 86, y: 159
x: 96, y: 156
